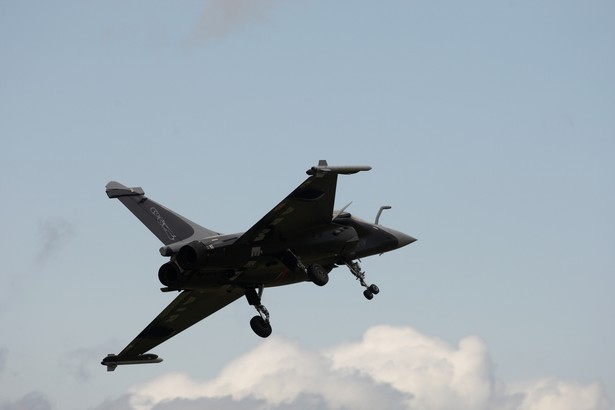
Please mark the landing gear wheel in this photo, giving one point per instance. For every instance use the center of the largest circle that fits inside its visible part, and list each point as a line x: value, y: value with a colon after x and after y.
x: 356, y: 271
x: 318, y: 274
x: 260, y: 326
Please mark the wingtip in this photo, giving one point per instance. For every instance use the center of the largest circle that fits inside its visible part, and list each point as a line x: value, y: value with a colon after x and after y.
x: 112, y: 361
x: 323, y: 168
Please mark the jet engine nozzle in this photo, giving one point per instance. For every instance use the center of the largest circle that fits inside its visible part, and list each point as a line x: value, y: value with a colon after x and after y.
x: 169, y: 274
x: 192, y: 255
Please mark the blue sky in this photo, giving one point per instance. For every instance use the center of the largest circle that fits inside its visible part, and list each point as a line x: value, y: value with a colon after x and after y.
x: 490, y: 127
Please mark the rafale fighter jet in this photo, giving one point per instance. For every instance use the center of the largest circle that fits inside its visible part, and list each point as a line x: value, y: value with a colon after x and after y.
x: 301, y: 239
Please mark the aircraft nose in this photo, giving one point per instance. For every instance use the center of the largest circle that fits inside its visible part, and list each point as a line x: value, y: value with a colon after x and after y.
x: 402, y: 238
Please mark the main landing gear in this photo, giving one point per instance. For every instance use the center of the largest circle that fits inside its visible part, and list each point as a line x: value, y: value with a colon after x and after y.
x: 259, y: 324
x: 355, y: 269
x: 318, y: 274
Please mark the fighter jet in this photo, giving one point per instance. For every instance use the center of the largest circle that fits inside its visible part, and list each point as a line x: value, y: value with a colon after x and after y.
x: 301, y: 239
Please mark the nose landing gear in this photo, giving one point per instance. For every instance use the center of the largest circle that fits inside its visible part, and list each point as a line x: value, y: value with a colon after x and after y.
x: 355, y: 269
x: 259, y: 324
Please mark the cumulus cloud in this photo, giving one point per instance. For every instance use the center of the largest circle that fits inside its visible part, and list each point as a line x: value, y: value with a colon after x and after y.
x: 391, y: 367
x: 553, y: 394
x: 433, y: 371
x: 278, y: 372
x: 223, y: 17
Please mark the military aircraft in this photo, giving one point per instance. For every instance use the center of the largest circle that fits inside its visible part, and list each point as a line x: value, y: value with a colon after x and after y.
x: 300, y: 239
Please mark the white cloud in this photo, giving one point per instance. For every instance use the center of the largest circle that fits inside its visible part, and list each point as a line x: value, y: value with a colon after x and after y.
x: 391, y: 367
x: 552, y: 394
x: 278, y: 372
x: 433, y: 371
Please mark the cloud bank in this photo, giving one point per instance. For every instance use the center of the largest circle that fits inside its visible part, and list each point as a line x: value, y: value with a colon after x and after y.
x: 391, y: 367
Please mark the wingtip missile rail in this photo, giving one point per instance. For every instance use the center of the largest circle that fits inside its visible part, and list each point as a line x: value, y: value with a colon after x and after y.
x: 112, y: 361
x: 323, y: 168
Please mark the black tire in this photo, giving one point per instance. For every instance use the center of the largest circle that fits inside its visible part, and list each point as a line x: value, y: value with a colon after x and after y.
x: 368, y: 294
x: 260, y: 327
x: 318, y: 274
x: 374, y: 289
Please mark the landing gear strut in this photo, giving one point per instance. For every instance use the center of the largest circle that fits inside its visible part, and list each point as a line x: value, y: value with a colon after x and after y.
x: 355, y: 269
x: 259, y: 324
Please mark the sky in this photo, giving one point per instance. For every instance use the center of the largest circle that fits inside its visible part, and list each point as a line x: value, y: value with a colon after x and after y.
x: 490, y: 127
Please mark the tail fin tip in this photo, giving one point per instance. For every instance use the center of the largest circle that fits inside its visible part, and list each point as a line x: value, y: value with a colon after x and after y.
x: 116, y: 190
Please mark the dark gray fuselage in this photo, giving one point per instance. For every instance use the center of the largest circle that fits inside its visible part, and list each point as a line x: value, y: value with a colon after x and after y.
x: 345, y: 239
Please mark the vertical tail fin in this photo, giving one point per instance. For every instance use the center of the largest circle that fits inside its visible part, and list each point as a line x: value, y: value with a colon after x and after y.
x: 167, y: 225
